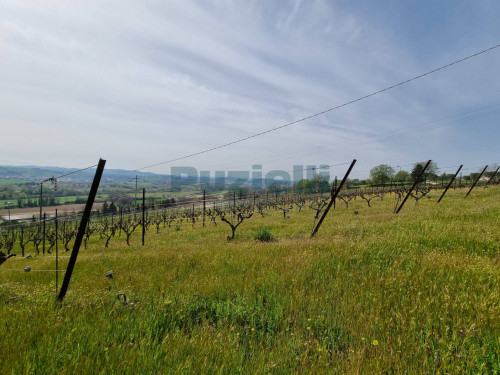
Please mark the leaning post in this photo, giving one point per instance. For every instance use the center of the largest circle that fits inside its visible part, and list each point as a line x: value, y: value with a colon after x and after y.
x: 334, y: 193
x: 449, y: 184
x: 475, y: 182
x: 81, y: 229
x: 413, y: 186
x: 492, y: 177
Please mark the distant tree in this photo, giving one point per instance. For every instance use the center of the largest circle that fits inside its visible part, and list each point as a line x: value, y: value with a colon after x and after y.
x: 321, y: 183
x: 122, y: 200
x: 381, y: 174
x: 355, y: 182
x: 430, y: 173
x: 402, y: 176
x: 275, y: 187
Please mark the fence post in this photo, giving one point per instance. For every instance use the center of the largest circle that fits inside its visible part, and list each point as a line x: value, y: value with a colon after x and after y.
x: 57, y: 257
x: 43, y: 233
x: 475, y: 182
x: 413, y: 187
x: 334, y: 193
x: 449, y: 184
x: 143, y: 215
x: 204, y: 207
x: 492, y: 177
x: 81, y: 229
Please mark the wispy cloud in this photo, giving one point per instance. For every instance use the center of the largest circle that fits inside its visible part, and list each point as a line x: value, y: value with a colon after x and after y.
x: 139, y: 83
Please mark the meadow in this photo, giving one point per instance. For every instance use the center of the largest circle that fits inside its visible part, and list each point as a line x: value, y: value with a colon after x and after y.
x: 373, y: 292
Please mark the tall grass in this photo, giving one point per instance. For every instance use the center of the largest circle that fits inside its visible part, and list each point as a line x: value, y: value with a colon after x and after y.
x: 375, y: 292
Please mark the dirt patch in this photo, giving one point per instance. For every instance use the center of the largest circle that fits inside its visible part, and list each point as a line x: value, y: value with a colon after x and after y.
x: 62, y: 210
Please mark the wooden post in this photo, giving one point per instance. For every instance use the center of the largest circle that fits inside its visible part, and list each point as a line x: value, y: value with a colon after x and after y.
x: 449, y: 184
x: 143, y: 215
x: 413, y: 186
x: 334, y: 193
x: 475, y: 182
x: 81, y: 229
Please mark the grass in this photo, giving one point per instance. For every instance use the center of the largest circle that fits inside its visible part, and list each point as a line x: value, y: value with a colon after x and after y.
x: 11, y: 182
x: 374, y: 293
x: 263, y: 234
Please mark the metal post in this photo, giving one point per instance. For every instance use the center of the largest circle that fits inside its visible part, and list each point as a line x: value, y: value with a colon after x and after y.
x: 43, y: 233
x: 413, y: 186
x: 334, y: 193
x: 121, y: 222
x: 135, y: 197
x: 475, y: 182
x: 204, y: 207
x: 41, y: 197
x: 81, y: 229
x: 492, y: 177
x: 57, y: 257
x: 143, y: 215
x: 449, y: 184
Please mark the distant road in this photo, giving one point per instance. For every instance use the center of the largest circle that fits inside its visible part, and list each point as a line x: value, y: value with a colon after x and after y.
x: 25, y: 213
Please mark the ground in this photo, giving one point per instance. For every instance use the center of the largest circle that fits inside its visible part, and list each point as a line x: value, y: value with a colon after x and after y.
x: 374, y: 292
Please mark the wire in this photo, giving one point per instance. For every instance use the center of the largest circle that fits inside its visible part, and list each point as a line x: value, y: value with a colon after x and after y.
x: 70, y: 173
x: 322, y: 112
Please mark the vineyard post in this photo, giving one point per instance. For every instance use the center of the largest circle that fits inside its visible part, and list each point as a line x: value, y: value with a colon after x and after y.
x: 57, y: 257
x: 449, y: 184
x: 334, y: 193
x: 492, y: 177
x: 204, y: 207
x: 143, y: 215
x: 41, y: 197
x: 43, y: 233
x: 22, y: 234
x: 81, y: 229
x: 417, y: 180
x: 335, y: 186
x: 120, y: 226
x: 475, y: 182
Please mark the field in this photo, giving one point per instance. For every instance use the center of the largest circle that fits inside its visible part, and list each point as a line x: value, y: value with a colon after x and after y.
x: 373, y: 292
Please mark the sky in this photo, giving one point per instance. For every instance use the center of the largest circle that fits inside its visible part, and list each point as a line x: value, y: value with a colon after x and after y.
x: 140, y: 83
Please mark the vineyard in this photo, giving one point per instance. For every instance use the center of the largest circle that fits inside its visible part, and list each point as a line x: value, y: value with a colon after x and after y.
x: 238, y: 282
x: 40, y: 237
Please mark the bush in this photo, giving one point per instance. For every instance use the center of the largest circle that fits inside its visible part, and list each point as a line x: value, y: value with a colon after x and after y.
x: 264, y: 234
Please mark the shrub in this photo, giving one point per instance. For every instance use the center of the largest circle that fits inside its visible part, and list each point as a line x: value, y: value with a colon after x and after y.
x: 264, y: 234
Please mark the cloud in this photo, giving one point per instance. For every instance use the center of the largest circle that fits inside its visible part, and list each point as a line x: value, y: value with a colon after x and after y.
x: 139, y: 83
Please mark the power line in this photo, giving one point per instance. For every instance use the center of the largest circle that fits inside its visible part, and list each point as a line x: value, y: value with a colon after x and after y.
x: 322, y: 112
x: 70, y: 173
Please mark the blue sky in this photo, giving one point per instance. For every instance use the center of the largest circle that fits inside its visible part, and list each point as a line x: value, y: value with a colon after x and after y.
x: 138, y: 83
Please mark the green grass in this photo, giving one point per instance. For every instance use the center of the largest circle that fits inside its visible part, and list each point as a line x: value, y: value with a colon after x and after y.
x: 11, y: 182
x: 374, y: 293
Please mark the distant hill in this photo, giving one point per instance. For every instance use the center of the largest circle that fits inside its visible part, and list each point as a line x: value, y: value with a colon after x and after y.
x: 33, y: 173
